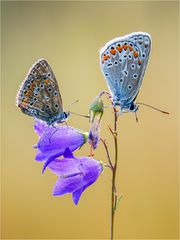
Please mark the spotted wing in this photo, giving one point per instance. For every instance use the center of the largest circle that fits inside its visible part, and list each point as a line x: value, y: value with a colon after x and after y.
x: 39, y: 94
x: 123, y: 63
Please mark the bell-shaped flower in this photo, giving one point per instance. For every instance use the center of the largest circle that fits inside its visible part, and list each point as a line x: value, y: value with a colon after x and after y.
x: 75, y: 174
x: 55, y: 139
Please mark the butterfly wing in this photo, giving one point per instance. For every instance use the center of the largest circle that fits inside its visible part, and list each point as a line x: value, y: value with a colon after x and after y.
x: 39, y: 94
x: 123, y: 63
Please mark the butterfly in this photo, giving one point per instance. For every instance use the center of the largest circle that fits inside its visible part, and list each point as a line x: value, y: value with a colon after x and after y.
x: 123, y: 62
x: 39, y: 94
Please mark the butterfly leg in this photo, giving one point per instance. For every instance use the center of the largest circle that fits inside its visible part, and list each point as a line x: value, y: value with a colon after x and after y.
x: 53, y: 133
x: 136, y: 117
x: 65, y: 122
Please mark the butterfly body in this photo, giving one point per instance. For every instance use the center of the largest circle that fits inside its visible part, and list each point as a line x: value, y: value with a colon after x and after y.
x: 123, y: 63
x: 39, y: 94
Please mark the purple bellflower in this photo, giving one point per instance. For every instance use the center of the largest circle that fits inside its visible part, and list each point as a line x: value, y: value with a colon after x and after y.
x: 55, y: 139
x: 75, y: 174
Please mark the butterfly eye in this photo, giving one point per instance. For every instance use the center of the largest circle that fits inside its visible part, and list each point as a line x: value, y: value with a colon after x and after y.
x: 65, y: 115
x: 132, y: 107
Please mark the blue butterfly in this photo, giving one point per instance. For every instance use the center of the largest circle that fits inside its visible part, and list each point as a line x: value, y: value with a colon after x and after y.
x: 123, y: 63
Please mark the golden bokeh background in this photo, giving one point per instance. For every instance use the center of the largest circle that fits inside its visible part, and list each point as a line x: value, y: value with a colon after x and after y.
x: 68, y: 35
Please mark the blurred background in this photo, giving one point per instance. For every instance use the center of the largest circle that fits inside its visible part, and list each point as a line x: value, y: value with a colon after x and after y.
x: 69, y: 35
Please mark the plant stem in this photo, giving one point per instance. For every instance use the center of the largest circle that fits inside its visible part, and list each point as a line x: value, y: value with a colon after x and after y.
x: 113, y: 193
x: 114, y: 197
x: 107, y: 152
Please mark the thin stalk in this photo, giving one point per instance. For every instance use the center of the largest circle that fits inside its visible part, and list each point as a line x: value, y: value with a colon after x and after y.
x: 114, y: 196
x: 113, y: 189
x: 107, y: 152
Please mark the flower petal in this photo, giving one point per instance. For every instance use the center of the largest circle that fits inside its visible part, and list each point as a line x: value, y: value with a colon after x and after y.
x: 66, y: 185
x: 40, y: 127
x: 90, y: 176
x: 76, y: 174
x: 65, y: 166
x: 55, y: 140
x: 94, y: 136
x: 59, y: 138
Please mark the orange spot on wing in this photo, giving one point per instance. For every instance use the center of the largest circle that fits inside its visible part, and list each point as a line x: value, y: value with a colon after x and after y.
x: 31, y: 87
x: 24, y: 104
x: 125, y: 47
x: 119, y: 48
x: 46, y: 81
x: 139, y: 62
x: 27, y: 93
x: 105, y: 58
x: 136, y: 54
x: 130, y: 48
x: 113, y: 51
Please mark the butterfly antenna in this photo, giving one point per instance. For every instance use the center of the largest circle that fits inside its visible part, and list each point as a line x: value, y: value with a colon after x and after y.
x: 157, y: 109
x: 73, y: 103
x: 86, y: 116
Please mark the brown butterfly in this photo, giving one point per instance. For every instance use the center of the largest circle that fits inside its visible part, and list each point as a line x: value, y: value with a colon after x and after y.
x: 39, y: 94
